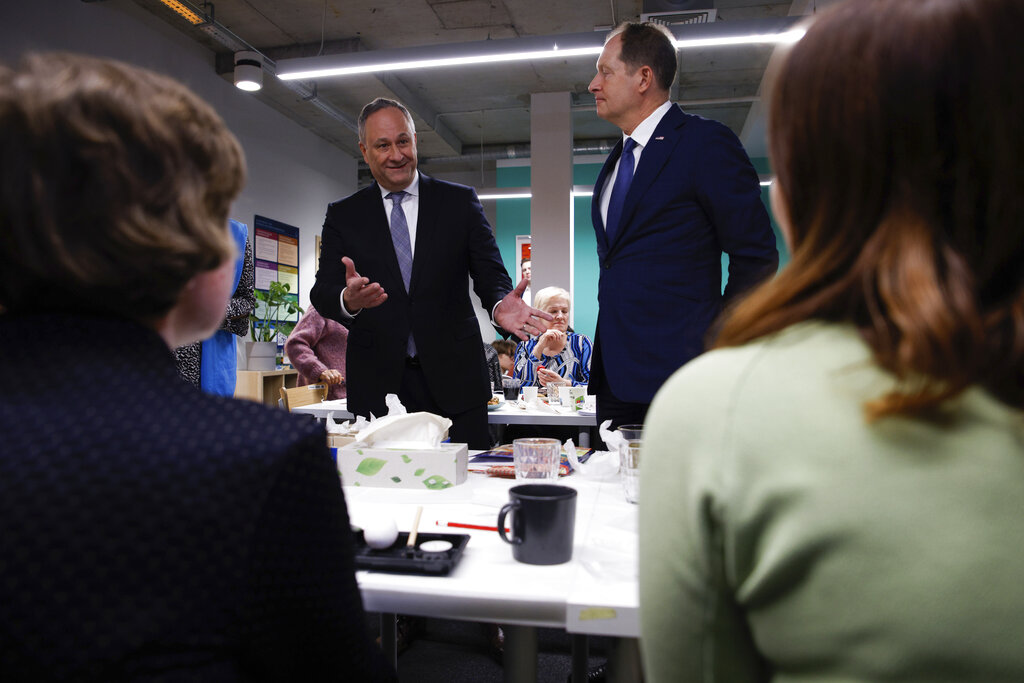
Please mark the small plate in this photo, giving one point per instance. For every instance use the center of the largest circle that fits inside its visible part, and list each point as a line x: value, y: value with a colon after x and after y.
x: 586, y: 413
x: 496, y: 405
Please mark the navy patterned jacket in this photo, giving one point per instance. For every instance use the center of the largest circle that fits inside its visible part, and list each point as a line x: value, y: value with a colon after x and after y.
x: 152, y: 532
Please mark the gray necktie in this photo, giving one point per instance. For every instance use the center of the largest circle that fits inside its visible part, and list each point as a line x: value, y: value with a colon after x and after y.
x: 403, y: 247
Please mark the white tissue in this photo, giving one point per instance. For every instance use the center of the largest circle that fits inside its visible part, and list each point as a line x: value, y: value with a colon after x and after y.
x: 542, y: 407
x: 398, y: 429
x: 611, y: 437
x: 421, y: 431
x: 346, y: 428
x: 395, y: 406
x: 601, y: 465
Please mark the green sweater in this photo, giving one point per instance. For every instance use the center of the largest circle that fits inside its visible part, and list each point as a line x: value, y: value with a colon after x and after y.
x: 784, y: 538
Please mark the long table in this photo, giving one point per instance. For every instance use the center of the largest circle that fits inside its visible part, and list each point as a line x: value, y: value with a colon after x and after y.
x: 504, y: 414
x: 593, y: 594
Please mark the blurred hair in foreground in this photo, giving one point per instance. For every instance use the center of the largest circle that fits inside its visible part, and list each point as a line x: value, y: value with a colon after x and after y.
x: 896, y: 140
x: 116, y: 187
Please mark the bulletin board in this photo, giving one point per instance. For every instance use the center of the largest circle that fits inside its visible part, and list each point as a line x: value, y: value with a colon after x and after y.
x: 276, y: 251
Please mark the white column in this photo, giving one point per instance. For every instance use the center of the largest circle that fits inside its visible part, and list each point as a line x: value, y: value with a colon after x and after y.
x: 551, y: 217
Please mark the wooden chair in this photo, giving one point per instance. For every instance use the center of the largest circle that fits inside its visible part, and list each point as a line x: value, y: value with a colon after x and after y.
x: 302, y: 396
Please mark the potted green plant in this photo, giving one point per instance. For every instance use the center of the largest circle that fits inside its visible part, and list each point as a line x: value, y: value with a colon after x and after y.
x: 266, y: 327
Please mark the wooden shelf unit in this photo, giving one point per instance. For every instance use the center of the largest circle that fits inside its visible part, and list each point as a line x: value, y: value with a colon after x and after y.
x: 264, y: 386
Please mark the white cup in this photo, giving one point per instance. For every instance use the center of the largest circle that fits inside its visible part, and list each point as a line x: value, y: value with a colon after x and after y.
x: 565, y: 396
x: 529, y: 394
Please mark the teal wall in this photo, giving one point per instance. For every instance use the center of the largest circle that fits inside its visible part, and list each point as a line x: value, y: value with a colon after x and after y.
x: 513, y: 218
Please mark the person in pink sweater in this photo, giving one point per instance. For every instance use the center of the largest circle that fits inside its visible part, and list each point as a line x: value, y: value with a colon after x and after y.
x: 316, y: 348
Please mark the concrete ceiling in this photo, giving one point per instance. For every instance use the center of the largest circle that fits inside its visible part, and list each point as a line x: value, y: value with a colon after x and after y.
x: 468, y: 116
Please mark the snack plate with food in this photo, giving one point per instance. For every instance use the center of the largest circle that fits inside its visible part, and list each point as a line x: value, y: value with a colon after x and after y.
x: 497, y: 401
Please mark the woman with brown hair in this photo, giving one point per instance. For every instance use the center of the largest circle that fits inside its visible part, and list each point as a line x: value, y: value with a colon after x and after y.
x: 836, y: 491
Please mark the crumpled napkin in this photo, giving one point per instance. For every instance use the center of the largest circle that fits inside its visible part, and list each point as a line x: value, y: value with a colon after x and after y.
x: 611, y: 437
x: 539, y: 405
x: 601, y: 465
x: 346, y: 428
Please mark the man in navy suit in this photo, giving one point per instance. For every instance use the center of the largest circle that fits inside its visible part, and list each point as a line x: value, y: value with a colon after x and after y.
x: 687, y: 194
x: 395, y: 262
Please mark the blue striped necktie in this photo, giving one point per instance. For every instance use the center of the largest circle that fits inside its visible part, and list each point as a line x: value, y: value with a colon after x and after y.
x: 620, y: 189
x: 403, y: 247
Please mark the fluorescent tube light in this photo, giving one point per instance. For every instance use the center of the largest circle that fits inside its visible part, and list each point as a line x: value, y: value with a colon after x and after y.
x: 442, y: 61
x: 526, y: 49
x: 753, y: 39
x: 504, y: 195
x: 490, y: 194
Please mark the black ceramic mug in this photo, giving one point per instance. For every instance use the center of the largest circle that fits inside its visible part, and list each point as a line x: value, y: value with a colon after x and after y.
x: 543, y: 520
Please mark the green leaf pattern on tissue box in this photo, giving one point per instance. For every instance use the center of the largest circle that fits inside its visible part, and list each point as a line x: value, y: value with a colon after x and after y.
x: 370, y: 466
x: 364, y: 465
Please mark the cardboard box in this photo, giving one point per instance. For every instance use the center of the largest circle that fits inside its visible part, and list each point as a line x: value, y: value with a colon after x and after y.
x: 361, y: 465
x: 340, y: 440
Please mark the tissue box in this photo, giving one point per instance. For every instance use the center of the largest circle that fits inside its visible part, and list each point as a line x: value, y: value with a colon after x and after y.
x: 340, y: 440
x: 408, y: 468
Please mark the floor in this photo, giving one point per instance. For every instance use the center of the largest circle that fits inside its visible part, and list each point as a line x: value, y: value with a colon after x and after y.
x: 457, y: 651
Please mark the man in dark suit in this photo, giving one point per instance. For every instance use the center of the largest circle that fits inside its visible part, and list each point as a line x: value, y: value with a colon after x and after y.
x: 687, y: 194
x: 395, y: 262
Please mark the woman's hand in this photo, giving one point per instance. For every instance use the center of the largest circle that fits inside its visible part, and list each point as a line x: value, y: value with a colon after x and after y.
x: 331, y: 377
x: 544, y: 376
x: 550, y: 343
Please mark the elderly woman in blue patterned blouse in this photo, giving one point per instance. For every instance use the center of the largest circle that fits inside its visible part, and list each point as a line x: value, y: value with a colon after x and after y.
x: 557, y: 354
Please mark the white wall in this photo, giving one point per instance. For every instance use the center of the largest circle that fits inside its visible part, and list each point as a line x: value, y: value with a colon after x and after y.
x: 293, y: 174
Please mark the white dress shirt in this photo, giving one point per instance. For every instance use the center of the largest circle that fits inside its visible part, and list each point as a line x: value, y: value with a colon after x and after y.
x: 641, y: 136
x: 411, y: 208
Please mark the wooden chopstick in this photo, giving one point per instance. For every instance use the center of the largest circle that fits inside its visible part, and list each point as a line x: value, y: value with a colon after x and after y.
x: 415, y: 527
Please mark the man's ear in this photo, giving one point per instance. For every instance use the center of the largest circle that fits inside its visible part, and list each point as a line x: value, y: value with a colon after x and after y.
x: 646, y: 78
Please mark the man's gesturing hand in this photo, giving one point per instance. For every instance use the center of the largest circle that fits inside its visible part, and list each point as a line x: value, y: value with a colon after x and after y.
x: 360, y: 293
x: 516, y: 316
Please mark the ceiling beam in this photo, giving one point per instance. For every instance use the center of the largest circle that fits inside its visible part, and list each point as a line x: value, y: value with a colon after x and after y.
x: 417, y: 106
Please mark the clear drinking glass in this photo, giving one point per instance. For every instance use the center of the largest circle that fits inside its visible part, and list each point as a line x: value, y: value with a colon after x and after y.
x: 510, y: 387
x: 537, y: 460
x: 631, y: 471
x: 629, y: 460
x: 553, y: 389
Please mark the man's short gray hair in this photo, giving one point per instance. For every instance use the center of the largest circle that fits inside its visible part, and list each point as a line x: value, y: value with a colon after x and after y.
x: 376, y: 106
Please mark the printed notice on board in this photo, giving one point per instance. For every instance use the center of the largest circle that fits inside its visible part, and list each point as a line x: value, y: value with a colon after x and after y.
x: 288, y: 253
x: 290, y: 276
x: 265, y: 246
x: 266, y: 272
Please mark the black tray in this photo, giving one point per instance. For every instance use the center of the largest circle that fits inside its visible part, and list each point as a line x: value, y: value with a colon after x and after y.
x: 399, y: 558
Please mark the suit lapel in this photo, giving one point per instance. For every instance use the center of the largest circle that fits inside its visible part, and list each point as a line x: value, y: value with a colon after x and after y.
x: 426, y: 223
x: 595, y: 204
x: 655, y: 155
